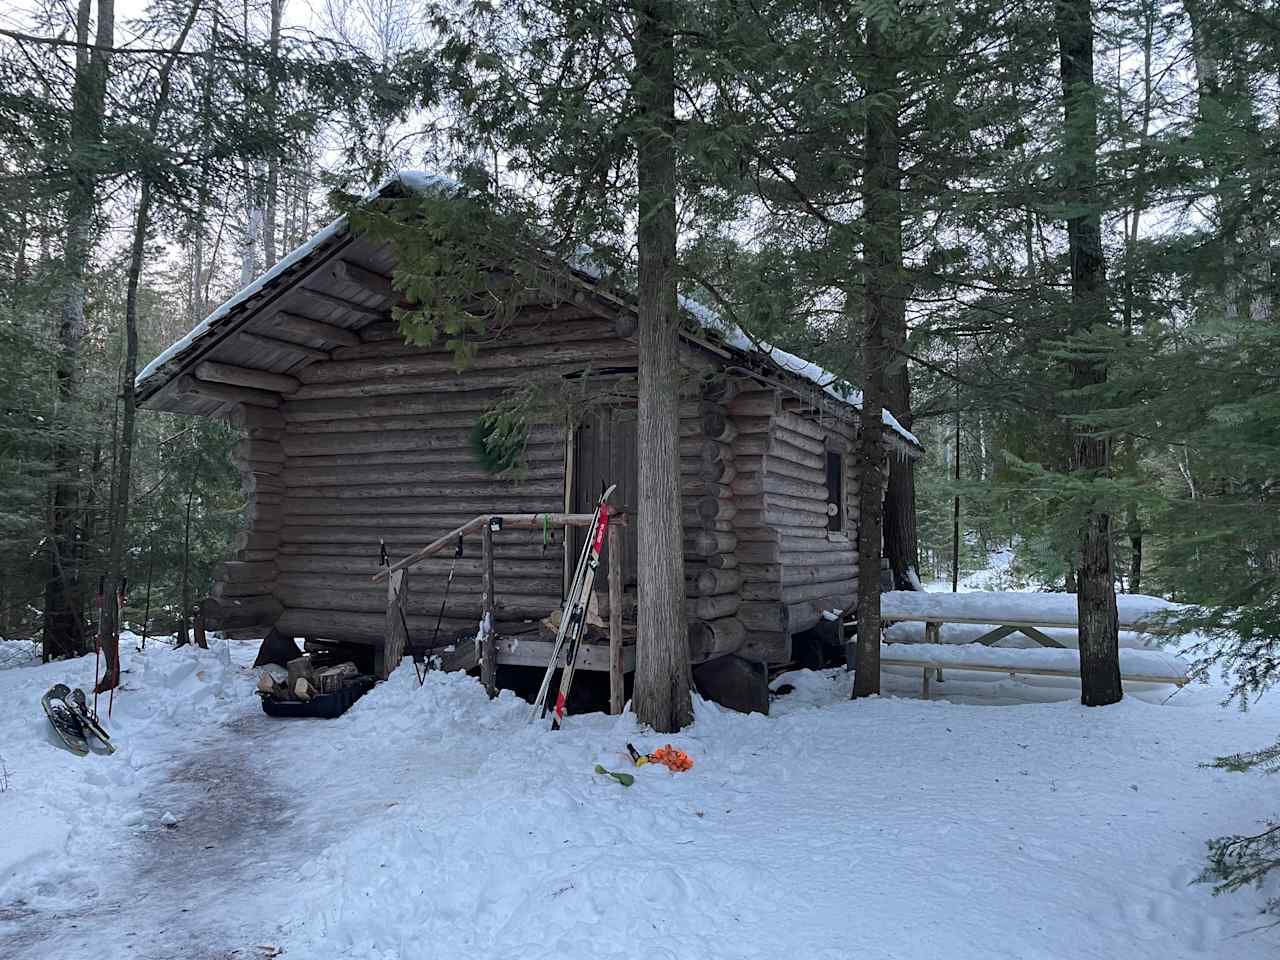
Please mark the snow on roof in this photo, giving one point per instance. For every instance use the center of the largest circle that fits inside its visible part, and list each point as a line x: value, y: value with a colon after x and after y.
x: 832, y: 385
x: 419, y: 181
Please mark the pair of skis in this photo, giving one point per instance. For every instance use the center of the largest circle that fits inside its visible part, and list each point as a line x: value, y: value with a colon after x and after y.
x: 573, y: 617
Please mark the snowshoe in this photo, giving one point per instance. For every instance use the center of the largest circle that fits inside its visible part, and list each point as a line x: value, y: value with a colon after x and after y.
x: 65, y: 723
x: 78, y: 704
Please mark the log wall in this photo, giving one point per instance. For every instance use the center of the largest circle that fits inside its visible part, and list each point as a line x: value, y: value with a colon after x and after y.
x: 376, y: 444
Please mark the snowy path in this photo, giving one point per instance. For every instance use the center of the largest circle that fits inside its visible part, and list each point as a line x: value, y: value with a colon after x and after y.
x: 435, y: 823
x: 165, y: 892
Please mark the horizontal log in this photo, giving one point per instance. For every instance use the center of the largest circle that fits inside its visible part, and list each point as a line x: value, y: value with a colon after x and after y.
x: 468, y: 380
x: 188, y: 386
x: 422, y: 366
x: 255, y: 418
x: 719, y: 471
x: 780, y: 448
x: 756, y: 484
x: 430, y: 514
x: 712, y: 608
x: 378, y: 345
x: 773, y: 647
x: 212, y: 372
x: 422, y: 402
x: 241, y: 613
x: 436, y: 421
x: 460, y: 607
x: 426, y: 585
x: 763, y: 617
x: 707, y: 543
x: 346, y: 271
x: 697, y: 487
x: 758, y: 551
x: 349, y: 626
x: 290, y: 325
x: 796, y: 592
x: 410, y: 473
x: 532, y: 521
x: 522, y: 652
x: 711, y: 582
x: 366, y: 551
x: 708, y: 451
x: 258, y: 342
x: 780, y: 468
x: 776, y: 503
x: 346, y: 304
x: 755, y: 403
x: 458, y: 441
x: 255, y: 556
x: 523, y: 569
x: 715, y: 638
x: 777, y: 517
x: 254, y: 450
x: 431, y: 499
x: 711, y: 508
x: 232, y: 589
x: 541, y: 460
x: 238, y: 571
x: 394, y: 491
x: 793, y: 423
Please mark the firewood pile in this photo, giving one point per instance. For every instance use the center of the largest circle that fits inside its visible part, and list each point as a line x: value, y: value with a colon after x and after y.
x: 302, y: 680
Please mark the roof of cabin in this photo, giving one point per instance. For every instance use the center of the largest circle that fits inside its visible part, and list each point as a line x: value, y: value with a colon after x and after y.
x: 298, y: 264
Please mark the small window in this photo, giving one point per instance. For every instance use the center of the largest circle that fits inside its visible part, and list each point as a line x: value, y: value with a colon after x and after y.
x: 835, y: 490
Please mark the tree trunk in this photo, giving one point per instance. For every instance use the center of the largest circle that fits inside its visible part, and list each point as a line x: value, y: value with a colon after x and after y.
x: 1091, y: 455
x: 186, y: 565
x: 273, y: 164
x: 901, y: 538
x: 124, y: 467
x: 663, y: 678
x: 883, y: 302
x: 64, y: 633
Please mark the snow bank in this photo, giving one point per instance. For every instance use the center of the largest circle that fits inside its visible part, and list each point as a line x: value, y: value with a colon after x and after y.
x: 18, y: 653
x: 985, y: 607
x: 70, y: 806
x: 1146, y: 662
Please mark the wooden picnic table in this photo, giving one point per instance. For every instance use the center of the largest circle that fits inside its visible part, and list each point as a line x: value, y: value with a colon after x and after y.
x: 1007, y: 613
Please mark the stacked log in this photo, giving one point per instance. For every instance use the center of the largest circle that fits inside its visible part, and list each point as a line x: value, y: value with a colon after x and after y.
x: 707, y: 469
x: 378, y: 446
x: 244, y: 587
x: 792, y: 567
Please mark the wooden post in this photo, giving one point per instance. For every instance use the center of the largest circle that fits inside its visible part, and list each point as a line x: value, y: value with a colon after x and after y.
x: 396, y: 638
x: 489, y: 618
x: 617, y: 690
x: 197, y: 627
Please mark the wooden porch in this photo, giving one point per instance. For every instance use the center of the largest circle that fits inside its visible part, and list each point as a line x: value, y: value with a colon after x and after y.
x: 616, y: 655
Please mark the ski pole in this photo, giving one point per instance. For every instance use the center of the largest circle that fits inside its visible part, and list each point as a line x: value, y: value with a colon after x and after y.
x: 97, y: 641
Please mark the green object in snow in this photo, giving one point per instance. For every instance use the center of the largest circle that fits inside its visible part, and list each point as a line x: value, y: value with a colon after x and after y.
x: 625, y: 779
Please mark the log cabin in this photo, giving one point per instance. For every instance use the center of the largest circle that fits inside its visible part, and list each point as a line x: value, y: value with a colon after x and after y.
x: 351, y: 436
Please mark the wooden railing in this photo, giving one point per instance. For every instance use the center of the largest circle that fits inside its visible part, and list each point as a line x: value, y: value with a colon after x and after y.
x: 488, y: 654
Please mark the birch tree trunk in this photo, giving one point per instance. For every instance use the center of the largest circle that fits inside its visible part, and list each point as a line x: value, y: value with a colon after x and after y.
x: 663, y: 678
x: 883, y: 304
x: 1091, y: 455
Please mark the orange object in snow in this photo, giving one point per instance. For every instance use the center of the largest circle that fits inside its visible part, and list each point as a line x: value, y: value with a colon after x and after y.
x: 671, y: 758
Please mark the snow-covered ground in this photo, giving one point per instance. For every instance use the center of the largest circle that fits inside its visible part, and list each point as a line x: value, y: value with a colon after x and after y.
x: 435, y: 823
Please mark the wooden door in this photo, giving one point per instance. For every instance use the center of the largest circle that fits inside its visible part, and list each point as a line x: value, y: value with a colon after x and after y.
x: 605, y: 453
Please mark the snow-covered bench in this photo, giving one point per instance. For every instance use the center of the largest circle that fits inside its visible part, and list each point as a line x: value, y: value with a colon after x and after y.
x: 1007, y: 613
x: 1136, y: 666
